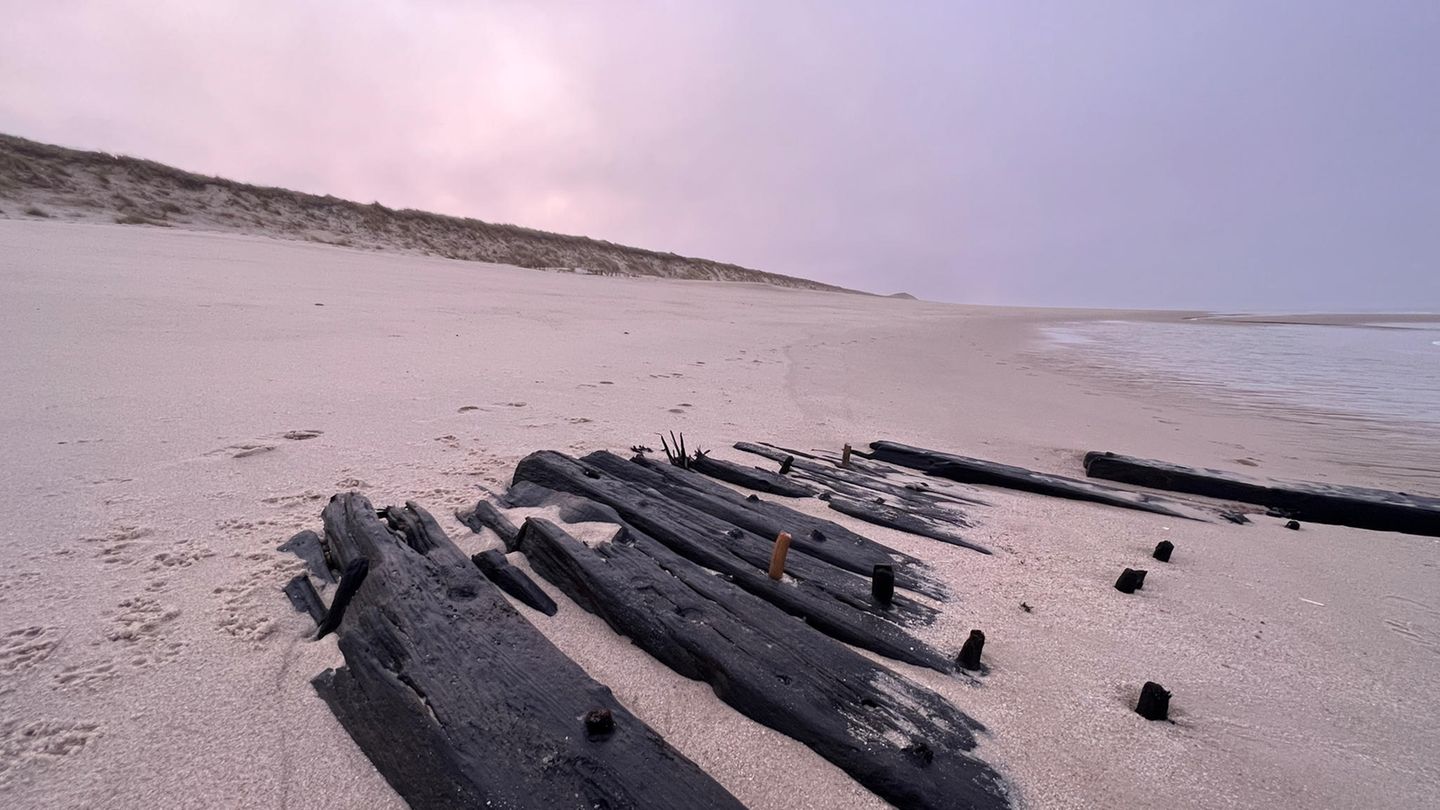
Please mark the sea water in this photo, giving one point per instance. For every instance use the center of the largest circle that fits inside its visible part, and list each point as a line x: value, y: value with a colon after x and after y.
x: 1373, y: 388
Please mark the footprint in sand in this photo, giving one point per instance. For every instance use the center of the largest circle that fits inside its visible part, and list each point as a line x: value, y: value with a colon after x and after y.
x: 88, y: 675
x: 27, y: 646
x: 122, y: 545
x: 34, y: 743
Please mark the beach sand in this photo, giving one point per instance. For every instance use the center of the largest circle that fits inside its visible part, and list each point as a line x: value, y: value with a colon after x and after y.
x: 177, y: 404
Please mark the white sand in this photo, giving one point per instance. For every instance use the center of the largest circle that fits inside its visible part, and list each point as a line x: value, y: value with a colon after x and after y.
x: 149, y: 660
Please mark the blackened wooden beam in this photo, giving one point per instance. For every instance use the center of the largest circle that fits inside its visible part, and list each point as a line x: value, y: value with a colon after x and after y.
x: 1359, y: 507
x: 750, y: 477
x: 859, y: 480
x: 816, y: 537
x: 900, y: 740
x: 460, y: 702
x: 978, y: 471
x: 821, y: 610
x: 1154, y: 703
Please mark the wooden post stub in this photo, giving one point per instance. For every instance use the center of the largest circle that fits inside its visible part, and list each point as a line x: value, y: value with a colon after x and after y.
x: 1162, y: 550
x: 1293, y: 525
x: 845, y: 456
x: 786, y: 464
x: 777, y: 557
x: 882, y: 584
x: 969, y: 657
x: 1130, y: 581
x: 599, y: 723
x: 1154, y: 702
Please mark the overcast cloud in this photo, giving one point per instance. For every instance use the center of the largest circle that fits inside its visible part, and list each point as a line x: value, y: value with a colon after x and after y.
x: 1247, y: 155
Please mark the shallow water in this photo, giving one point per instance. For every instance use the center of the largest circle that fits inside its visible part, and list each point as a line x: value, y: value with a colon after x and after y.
x: 1377, y: 382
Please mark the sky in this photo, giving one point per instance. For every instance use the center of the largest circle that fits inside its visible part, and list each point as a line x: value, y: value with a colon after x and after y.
x: 1256, y: 155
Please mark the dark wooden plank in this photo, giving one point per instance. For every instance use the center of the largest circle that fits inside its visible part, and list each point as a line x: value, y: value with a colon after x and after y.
x: 978, y: 471
x: 303, y: 596
x: 860, y: 481
x: 691, y: 531
x: 923, y: 524
x: 847, y: 617
x: 1360, y: 507
x: 814, y: 536
x: 461, y: 703
x: 750, y: 477
x: 900, y: 740
x: 513, y: 581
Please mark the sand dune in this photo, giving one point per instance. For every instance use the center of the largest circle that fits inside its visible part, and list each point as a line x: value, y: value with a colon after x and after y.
x: 41, y: 181
x: 178, y: 403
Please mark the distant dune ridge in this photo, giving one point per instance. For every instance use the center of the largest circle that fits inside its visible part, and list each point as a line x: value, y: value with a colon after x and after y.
x: 44, y: 181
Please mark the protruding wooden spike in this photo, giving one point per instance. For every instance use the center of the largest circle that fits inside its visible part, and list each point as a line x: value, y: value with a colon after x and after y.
x: 1162, y: 550
x: 777, y: 557
x: 786, y: 465
x: 845, y: 456
x: 599, y: 723
x: 350, y: 581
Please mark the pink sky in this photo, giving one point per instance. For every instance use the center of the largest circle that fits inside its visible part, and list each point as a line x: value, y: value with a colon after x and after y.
x: 1135, y: 153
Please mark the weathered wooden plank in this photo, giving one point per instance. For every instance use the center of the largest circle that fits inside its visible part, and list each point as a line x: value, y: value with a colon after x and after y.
x: 978, y: 471
x: 461, y: 703
x: 923, y: 524
x: 750, y: 477
x: 817, y: 537
x: 863, y: 625
x: 692, y: 531
x: 1360, y: 507
x: 513, y: 581
x: 900, y: 740
x: 860, y: 481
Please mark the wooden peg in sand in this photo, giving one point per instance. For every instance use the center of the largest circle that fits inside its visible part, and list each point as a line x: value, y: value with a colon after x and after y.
x: 969, y: 657
x: 1162, y: 550
x: 1154, y: 702
x: 786, y: 464
x: 845, y: 456
x: 777, y: 557
x: 1130, y: 581
x: 882, y: 584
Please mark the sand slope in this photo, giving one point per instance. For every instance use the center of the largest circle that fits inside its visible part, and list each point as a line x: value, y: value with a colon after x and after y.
x: 178, y: 403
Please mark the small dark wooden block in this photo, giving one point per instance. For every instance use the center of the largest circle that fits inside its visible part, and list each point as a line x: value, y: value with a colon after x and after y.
x: 599, y: 723
x: 1130, y: 581
x: 1154, y: 702
x: 969, y: 657
x: 882, y: 584
x: 1163, y: 550
x: 1293, y: 525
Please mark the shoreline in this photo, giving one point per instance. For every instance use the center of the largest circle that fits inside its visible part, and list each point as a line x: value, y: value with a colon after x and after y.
x: 162, y: 382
